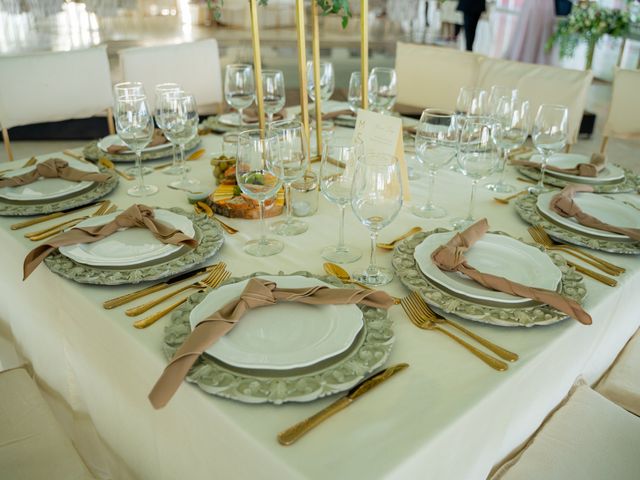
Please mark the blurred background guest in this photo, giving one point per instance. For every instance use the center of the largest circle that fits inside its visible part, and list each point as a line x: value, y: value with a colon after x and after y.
x: 534, y: 27
x: 471, y: 11
x: 451, y: 20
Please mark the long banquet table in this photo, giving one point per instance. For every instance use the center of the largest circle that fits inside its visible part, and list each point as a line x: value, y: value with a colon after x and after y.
x: 447, y: 416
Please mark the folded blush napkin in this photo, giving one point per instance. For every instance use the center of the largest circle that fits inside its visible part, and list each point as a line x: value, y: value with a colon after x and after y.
x: 53, y: 168
x: 591, y: 169
x: 157, y: 139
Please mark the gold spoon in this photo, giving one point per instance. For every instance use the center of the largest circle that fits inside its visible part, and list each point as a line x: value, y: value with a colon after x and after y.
x: 105, y: 162
x: 392, y: 243
x: 506, y: 200
x: 342, y: 275
x: 203, y: 208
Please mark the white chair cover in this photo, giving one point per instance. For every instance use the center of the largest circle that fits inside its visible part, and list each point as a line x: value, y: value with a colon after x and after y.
x: 49, y: 87
x: 588, y: 437
x: 624, y: 119
x: 9, y: 358
x: 33, y: 446
x: 621, y: 384
x: 541, y: 84
x: 194, y: 66
x: 431, y: 77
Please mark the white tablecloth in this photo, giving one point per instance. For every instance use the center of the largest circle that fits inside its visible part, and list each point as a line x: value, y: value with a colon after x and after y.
x: 447, y: 416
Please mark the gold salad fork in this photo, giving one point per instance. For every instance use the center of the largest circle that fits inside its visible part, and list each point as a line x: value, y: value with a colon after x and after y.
x: 213, y: 281
x: 413, y: 310
x: 104, y: 209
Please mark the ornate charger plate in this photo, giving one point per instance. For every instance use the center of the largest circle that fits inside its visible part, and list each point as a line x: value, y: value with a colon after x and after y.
x: 630, y: 183
x: 370, y: 350
x: 404, y: 263
x: 84, y: 197
x: 92, y: 152
x: 528, y: 211
x: 208, y: 233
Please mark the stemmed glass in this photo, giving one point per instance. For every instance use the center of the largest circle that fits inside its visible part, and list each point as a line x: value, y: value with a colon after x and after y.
x: 354, y: 95
x: 471, y: 101
x: 179, y: 115
x: 496, y: 93
x: 134, y: 125
x: 289, y: 165
x: 549, y: 136
x: 510, y: 130
x: 163, y: 89
x: 273, y: 91
x: 239, y: 87
x: 128, y: 89
x: 256, y: 150
x: 436, y: 145
x: 478, y: 158
x: 376, y: 199
x: 383, y: 89
x: 327, y: 81
x: 336, y: 177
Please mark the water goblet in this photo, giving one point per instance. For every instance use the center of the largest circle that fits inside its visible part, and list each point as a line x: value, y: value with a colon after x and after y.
x: 354, y: 95
x: 161, y: 90
x: 134, y: 125
x: 257, y: 149
x: 273, y: 91
x: 549, y: 136
x: 337, y: 168
x: 376, y: 200
x: 436, y: 144
x: 239, y: 87
x: 471, y: 101
x: 383, y: 89
x: 496, y: 93
x: 327, y: 81
x: 289, y: 165
x: 127, y: 89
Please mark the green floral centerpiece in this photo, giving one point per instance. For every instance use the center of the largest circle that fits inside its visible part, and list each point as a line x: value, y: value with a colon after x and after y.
x: 588, y: 22
x: 337, y: 7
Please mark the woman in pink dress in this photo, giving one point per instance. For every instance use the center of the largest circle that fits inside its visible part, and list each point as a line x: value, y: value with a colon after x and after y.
x: 535, y: 26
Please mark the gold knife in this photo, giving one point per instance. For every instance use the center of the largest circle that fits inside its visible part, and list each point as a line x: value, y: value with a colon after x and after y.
x: 293, y: 433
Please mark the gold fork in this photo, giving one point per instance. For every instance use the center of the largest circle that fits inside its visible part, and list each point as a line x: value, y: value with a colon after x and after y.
x: 426, y: 310
x: 103, y: 209
x: 106, y: 163
x: 423, y: 322
x: 539, y: 234
x: 150, y: 320
x: 506, y: 200
x: 135, y: 311
x: 203, y: 208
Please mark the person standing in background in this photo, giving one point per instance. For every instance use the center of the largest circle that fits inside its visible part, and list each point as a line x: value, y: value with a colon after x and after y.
x: 471, y: 11
x: 535, y: 25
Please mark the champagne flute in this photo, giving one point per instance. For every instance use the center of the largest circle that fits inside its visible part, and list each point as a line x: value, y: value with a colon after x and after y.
x: 549, y: 136
x: 478, y: 159
x: 337, y: 168
x: 436, y: 145
x: 354, y: 95
x: 179, y: 115
x: 376, y: 199
x: 134, y: 125
x: 496, y: 93
x: 383, y: 89
x: 239, y: 87
x: 510, y: 130
x: 289, y: 165
x: 161, y: 90
x: 327, y: 81
x: 273, y: 91
x: 256, y: 150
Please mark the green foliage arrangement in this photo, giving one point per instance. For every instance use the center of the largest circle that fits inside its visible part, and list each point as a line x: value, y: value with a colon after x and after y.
x: 588, y: 22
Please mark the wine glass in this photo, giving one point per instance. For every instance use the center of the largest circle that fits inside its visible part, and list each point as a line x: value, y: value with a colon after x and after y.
x: 549, y: 136
x: 478, y: 158
x: 376, y: 199
x: 327, y: 81
x: 273, y: 91
x: 354, y: 95
x: 239, y: 87
x: 127, y: 89
x: 510, y: 130
x: 256, y: 150
x: 383, y: 89
x: 436, y: 145
x: 471, y: 101
x: 337, y: 168
x: 134, y: 125
x: 179, y: 115
x: 289, y: 165
x: 496, y: 93
x: 161, y: 90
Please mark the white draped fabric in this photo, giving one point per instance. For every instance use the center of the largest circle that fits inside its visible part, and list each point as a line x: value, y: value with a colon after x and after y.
x: 447, y: 416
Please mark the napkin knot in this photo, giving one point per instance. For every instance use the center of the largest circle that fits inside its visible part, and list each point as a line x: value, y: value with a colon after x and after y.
x: 53, y: 168
x: 448, y: 257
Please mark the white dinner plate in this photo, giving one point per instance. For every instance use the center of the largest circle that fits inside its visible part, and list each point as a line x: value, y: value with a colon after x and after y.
x: 606, y: 209
x: 106, y: 142
x: 495, y: 254
x: 46, y: 188
x: 282, y: 336
x: 127, y: 247
x: 609, y: 174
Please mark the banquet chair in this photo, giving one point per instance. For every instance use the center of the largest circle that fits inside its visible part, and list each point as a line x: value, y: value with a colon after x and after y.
x: 621, y: 384
x: 9, y: 358
x: 587, y: 437
x: 194, y: 66
x: 431, y: 77
x: 53, y: 86
x: 33, y: 446
x: 623, y: 121
x: 541, y: 84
